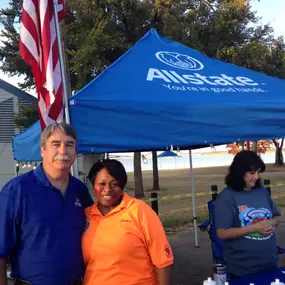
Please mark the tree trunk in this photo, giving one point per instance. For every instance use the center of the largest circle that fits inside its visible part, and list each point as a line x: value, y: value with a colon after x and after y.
x: 279, y: 157
x: 139, y: 192
x: 278, y: 152
x: 248, y: 145
x: 254, y: 146
x: 155, y: 171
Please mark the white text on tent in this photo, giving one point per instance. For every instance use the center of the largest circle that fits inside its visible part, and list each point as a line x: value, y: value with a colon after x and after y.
x: 171, y: 76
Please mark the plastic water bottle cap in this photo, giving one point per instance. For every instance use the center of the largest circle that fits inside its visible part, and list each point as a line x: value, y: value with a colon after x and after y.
x: 277, y: 282
x: 209, y: 281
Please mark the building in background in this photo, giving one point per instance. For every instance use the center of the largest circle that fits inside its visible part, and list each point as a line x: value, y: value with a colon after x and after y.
x: 10, y: 99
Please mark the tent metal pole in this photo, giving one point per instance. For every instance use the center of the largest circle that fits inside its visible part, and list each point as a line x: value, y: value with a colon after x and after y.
x: 193, y: 199
x: 15, y: 169
x: 74, y: 168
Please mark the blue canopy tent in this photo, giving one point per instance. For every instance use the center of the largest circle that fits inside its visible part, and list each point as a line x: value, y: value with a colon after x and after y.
x: 167, y: 153
x: 162, y: 93
x: 26, y: 145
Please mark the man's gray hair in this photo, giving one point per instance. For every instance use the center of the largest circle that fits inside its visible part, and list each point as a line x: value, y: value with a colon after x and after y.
x: 50, y: 129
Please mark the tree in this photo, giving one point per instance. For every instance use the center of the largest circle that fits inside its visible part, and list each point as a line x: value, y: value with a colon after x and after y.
x: 275, y: 65
x: 278, y: 152
x: 254, y: 146
x: 11, y: 62
x: 139, y: 191
x: 155, y: 171
x: 260, y: 147
x: 236, y: 147
x: 98, y: 32
x: 28, y: 114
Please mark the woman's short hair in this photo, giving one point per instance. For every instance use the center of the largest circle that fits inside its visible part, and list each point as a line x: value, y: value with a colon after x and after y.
x: 114, y: 168
x: 243, y: 162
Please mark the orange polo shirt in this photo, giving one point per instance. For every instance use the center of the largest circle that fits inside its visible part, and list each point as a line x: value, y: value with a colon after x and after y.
x: 124, y: 246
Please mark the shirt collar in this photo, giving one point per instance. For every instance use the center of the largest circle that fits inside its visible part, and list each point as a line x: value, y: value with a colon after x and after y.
x: 41, y: 177
x: 126, y: 201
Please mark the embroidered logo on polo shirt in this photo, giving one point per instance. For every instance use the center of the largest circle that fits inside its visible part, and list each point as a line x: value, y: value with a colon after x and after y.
x: 77, y: 203
x: 86, y: 226
x: 125, y: 220
x: 168, y: 251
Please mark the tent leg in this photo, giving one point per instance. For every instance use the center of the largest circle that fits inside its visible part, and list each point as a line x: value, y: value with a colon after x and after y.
x: 193, y: 199
x: 74, y: 168
x: 16, y: 169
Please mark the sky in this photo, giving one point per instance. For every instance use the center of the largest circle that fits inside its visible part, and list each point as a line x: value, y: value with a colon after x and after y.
x: 271, y: 11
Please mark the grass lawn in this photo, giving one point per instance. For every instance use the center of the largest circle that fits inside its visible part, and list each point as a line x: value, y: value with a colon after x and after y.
x: 176, y: 213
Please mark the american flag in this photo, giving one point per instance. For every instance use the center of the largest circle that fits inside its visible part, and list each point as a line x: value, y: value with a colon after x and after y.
x: 39, y: 48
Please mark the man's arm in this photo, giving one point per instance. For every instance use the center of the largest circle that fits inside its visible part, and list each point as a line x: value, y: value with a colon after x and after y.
x: 3, y: 272
x: 164, y: 275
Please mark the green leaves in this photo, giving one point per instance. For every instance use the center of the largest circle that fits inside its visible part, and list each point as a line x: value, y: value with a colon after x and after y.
x: 28, y: 114
x: 97, y: 32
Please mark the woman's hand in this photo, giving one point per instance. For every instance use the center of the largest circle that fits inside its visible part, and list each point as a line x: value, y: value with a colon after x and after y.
x: 265, y: 227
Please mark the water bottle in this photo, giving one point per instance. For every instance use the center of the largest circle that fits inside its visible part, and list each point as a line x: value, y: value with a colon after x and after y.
x: 277, y: 282
x: 209, y: 281
x: 220, y: 274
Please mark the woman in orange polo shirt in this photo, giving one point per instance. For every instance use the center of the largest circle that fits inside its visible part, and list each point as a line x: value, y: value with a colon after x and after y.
x: 124, y: 241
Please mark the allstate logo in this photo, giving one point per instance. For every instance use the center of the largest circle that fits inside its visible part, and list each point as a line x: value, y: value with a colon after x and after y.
x: 178, y: 60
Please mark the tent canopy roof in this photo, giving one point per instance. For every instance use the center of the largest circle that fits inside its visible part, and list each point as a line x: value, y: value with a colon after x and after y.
x: 162, y: 93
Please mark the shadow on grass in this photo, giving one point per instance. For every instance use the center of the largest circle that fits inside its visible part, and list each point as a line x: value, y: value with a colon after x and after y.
x: 181, y: 220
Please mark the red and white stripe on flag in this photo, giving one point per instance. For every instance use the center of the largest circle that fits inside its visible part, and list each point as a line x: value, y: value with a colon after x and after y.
x: 39, y: 48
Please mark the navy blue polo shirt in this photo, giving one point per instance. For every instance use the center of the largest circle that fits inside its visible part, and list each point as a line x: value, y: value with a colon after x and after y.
x: 40, y: 229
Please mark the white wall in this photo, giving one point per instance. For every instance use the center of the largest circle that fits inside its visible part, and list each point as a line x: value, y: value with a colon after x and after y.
x: 6, y: 163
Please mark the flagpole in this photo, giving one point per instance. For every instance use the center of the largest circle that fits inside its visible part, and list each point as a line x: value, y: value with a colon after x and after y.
x: 74, y: 168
